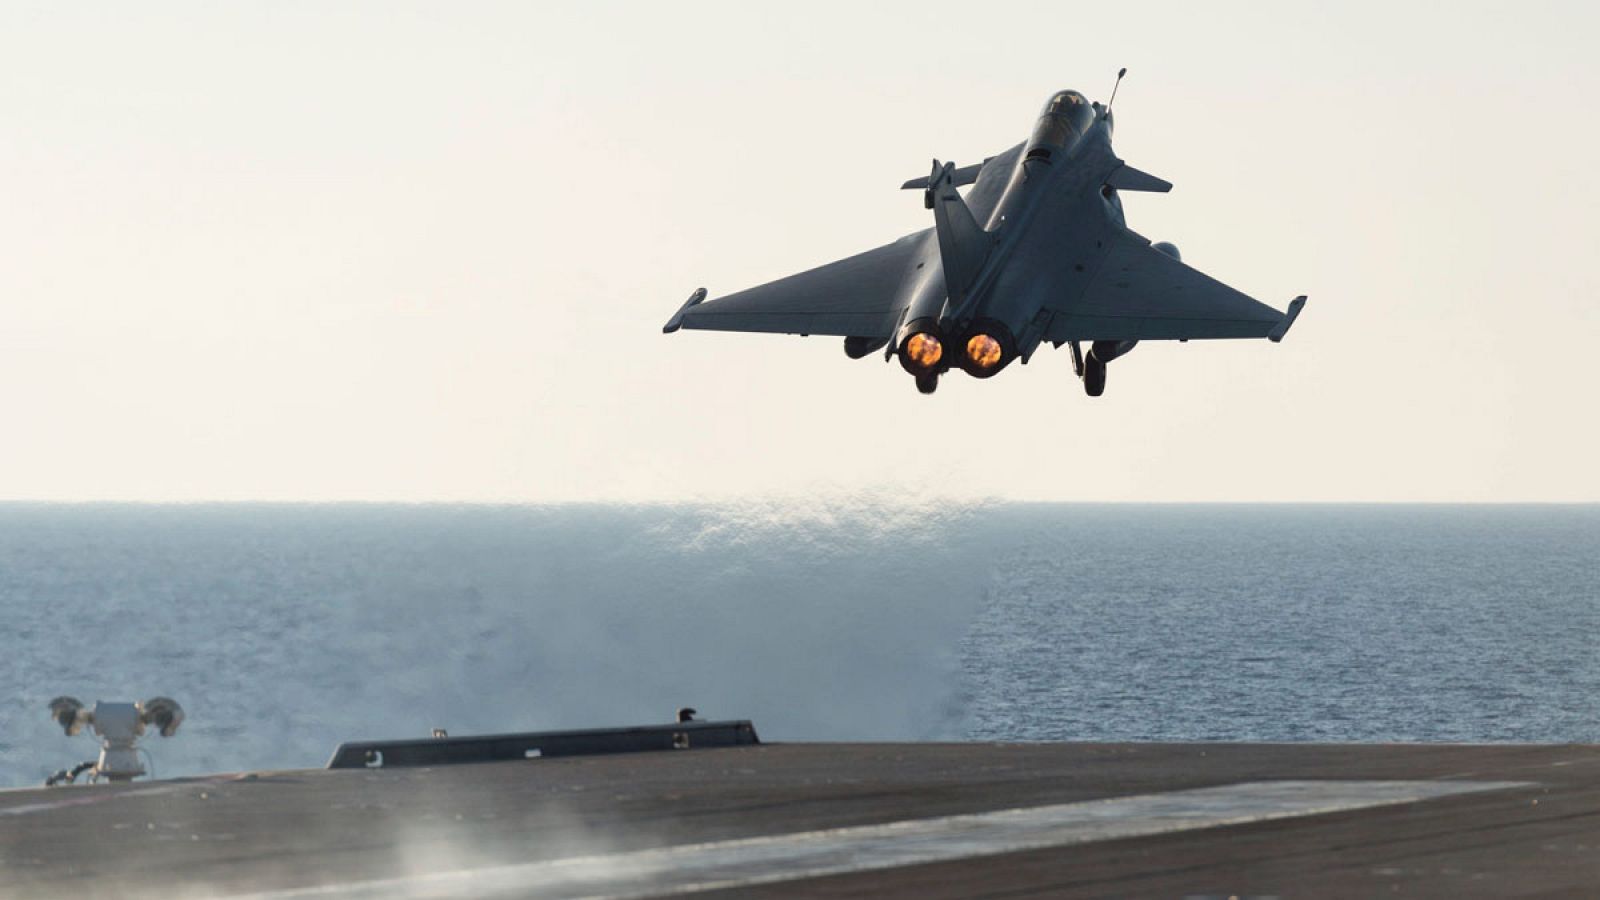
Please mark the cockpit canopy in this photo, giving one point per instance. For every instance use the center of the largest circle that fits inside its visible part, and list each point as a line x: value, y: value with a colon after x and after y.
x: 1066, y: 103
x: 1064, y: 120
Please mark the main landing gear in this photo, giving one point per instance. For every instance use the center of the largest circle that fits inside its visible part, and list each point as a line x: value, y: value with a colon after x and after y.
x: 1091, y: 366
x: 1094, y: 375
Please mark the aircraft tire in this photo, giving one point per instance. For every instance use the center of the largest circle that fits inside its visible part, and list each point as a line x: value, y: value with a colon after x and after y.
x: 1094, y: 375
x: 928, y: 383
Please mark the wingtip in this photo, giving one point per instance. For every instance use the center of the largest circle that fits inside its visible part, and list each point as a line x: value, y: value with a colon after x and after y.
x: 676, y: 322
x: 1293, y: 313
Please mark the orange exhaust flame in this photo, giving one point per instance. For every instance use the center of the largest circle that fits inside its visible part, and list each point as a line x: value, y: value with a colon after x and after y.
x: 984, y: 351
x: 924, y: 349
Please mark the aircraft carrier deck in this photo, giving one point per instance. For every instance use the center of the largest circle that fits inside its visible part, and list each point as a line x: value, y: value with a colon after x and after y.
x: 843, y: 820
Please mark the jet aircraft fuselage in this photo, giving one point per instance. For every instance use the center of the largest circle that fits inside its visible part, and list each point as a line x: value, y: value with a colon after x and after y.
x: 1038, y: 250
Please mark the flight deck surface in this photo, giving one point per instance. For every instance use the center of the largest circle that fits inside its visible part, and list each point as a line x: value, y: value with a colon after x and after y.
x: 843, y: 820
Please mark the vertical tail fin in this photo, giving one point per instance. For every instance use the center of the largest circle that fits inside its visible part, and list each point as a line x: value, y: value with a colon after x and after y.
x: 963, y: 244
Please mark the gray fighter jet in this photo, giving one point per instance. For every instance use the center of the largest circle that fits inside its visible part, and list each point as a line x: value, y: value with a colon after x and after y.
x: 1038, y: 250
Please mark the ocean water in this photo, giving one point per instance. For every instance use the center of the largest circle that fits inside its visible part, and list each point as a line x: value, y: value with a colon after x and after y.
x: 1290, y: 623
x: 286, y: 629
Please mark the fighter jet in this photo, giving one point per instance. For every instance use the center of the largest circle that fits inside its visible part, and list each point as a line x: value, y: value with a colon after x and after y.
x: 1038, y: 250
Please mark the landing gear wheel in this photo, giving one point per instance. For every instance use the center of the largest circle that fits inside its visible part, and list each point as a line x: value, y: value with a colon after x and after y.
x: 1094, y: 375
x: 928, y: 383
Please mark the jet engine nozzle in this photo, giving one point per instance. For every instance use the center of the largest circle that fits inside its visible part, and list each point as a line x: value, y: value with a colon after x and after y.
x: 987, y: 350
x: 983, y: 352
x: 924, y: 350
x: 921, y: 348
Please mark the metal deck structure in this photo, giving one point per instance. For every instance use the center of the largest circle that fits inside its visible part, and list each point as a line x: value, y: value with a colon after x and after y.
x: 842, y: 820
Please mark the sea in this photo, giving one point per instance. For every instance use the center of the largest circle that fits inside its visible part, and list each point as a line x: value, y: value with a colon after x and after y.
x: 286, y: 629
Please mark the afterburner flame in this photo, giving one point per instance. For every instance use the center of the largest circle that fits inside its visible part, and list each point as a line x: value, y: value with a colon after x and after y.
x: 984, y: 351
x: 924, y: 349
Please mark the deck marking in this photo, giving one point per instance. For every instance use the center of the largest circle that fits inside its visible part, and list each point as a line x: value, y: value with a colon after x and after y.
x: 688, y: 868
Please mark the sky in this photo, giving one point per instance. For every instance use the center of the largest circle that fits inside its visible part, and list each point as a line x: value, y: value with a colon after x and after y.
x: 423, y: 252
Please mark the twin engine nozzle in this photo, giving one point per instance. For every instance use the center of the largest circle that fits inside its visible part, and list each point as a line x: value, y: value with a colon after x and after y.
x: 927, y: 352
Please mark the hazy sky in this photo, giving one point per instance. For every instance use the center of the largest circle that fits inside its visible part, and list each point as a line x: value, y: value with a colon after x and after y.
x: 424, y: 252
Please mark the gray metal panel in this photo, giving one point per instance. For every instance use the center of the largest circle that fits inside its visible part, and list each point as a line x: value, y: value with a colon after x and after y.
x: 1140, y: 293
x: 991, y: 183
x: 859, y: 296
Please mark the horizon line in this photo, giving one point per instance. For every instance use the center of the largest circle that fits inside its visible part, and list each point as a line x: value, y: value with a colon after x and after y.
x: 875, y: 497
